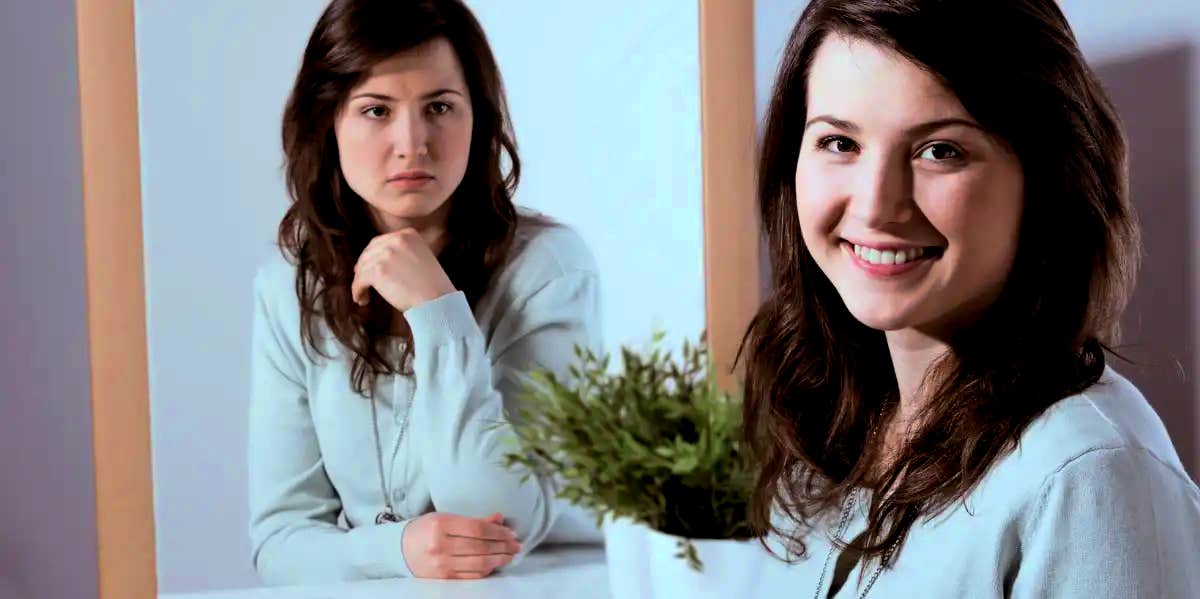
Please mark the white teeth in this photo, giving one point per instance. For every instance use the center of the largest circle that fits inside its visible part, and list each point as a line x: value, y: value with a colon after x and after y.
x: 888, y: 257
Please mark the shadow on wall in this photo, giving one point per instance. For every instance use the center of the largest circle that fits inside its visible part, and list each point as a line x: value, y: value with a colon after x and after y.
x: 1152, y: 94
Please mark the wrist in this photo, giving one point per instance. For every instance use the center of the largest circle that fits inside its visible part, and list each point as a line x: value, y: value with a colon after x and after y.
x: 432, y: 295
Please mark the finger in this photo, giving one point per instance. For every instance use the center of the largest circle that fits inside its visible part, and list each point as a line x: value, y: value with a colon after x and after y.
x: 496, y: 518
x: 479, y: 529
x: 368, y: 257
x: 466, y: 546
x: 392, y: 238
x: 467, y: 575
x: 479, y: 563
x: 381, y: 239
x: 359, y: 288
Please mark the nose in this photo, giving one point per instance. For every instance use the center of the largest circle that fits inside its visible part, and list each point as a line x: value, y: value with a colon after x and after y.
x: 884, y: 194
x: 410, y: 134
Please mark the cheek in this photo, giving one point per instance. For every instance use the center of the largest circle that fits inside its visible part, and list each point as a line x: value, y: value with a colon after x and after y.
x: 359, y: 149
x: 456, y: 139
x: 978, y: 214
x: 818, y: 189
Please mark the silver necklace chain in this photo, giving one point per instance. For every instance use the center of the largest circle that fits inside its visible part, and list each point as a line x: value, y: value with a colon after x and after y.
x: 389, y: 513
x: 843, y: 523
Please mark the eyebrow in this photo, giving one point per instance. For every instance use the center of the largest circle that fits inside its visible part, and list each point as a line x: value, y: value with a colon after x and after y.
x: 386, y: 98
x: 921, y: 129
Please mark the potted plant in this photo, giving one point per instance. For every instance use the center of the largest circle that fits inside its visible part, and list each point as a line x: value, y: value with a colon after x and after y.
x: 654, y: 449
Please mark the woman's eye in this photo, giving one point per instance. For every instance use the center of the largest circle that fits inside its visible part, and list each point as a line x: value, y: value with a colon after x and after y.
x: 439, y: 108
x: 837, y: 144
x: 376, y: 112
x: 941, y: 152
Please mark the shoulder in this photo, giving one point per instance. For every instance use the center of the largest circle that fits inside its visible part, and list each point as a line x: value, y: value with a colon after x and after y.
x: 275, y: 278
x: 541, y: 242
x: 543, y: 251
x: 275, y: 302
x: 1112, y: 414
x: 1087, y: 438
x: 1119, y: 504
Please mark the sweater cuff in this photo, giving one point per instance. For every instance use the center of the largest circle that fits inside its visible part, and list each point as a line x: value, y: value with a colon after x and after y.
x: 382, y: 551
x: 447, y: 317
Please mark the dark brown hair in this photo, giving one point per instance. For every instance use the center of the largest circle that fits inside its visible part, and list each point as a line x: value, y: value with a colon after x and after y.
x: 328, y: 224
x: 818, y: 382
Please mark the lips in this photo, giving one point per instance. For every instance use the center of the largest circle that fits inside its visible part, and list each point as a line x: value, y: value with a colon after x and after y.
x: 891, y: 261
x: 410, y: 175
x: 891, y: 256
x: 410, y: 179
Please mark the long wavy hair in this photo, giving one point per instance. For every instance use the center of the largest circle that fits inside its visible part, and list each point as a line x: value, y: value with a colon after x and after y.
x: 819, y: 383
x: 328, y: 225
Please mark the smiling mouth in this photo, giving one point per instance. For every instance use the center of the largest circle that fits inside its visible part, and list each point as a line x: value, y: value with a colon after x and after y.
x: 895, y: 256
x: 891, y: 262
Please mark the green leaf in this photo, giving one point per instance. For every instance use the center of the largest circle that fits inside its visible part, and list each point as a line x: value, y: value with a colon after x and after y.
x: 653, y: 440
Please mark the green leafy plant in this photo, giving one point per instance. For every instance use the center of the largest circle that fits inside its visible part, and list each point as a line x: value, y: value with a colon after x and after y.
x: 655, y: 441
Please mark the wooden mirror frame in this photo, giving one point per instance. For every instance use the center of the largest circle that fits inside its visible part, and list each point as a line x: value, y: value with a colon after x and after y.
x: 116, y: 304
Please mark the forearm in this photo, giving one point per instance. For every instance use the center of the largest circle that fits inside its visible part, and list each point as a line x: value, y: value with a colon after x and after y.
x: 460, y: 414
x: 315, y: 552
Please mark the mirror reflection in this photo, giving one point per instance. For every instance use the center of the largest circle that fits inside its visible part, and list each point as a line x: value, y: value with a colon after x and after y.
x: 367, y: 225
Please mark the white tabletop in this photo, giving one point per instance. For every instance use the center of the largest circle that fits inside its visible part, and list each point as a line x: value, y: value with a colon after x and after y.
x: 553, y: 572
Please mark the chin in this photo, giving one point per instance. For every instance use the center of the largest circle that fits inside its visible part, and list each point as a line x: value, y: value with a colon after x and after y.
x: 881, y: 317
x: 408, y: 206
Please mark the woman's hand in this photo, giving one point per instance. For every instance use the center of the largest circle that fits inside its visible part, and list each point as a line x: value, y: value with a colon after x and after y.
x: 402, y: 268
x: 441, y: 545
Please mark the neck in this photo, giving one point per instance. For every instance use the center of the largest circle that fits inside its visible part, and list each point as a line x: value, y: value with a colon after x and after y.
x: 432, y: 227
x: 913, y: 353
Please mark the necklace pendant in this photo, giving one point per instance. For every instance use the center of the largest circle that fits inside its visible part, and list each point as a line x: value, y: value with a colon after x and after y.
x: 386, y: 516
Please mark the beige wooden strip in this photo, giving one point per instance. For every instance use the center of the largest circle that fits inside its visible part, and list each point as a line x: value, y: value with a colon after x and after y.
x: 728, y: 144
x: 112, y: 216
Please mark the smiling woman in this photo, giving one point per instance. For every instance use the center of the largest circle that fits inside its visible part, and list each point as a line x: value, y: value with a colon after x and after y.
x: 944, y: 193
x: 912, y: 212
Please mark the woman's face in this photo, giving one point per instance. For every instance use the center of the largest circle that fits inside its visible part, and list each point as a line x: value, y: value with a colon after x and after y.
x: 404, y: 136
x: 909, y: 208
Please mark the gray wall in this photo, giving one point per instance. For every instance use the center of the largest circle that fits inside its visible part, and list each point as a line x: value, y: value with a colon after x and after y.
x: 47, y: 529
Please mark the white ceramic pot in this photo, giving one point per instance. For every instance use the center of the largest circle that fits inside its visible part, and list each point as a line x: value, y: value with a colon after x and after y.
x: 642, y: 565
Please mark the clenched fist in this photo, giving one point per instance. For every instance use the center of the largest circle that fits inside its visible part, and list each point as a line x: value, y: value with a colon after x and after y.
x: 402, y: 268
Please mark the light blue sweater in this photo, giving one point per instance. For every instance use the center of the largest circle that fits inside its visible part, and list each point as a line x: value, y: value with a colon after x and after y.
x: 312, y: 451
x: 1094, y: 504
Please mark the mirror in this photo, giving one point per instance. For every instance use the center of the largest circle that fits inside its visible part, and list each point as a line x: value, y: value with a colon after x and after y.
x: 605, y: 105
